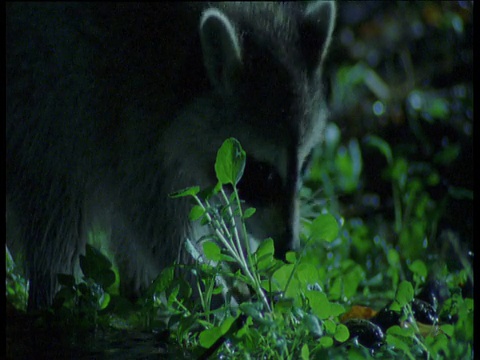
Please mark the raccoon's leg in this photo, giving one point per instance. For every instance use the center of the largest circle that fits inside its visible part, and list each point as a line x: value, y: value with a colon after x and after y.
x: 49, y: 220
x: 133, y: 259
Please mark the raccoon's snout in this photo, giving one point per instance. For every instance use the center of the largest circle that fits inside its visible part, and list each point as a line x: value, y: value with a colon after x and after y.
x: 287, y: 241
x: 277, y: 210
x: 285, y: 244
x: 261, y: 185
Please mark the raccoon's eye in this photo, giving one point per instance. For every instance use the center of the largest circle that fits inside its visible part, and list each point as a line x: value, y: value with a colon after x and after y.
x: 261, y: 184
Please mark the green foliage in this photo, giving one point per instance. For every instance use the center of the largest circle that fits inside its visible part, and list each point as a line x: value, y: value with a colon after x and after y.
x: 82, y: 301
x: 294, y: 307
x: 324, y: 227
x: 291, y: 308
x: 403, y: 296
x: 230, y: 162
x: 15, y: 284
x: 438, y: 342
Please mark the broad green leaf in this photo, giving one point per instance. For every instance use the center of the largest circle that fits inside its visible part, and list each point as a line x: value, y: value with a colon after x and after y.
x: 404, y: 293
x: 326, y: 341
x: 319, y: 304
x: 96, y: 266
x: 341, y: 333
x: 164, y: 280
x: 226, y: 324
x: 324, y: 227
x: 265, y: 248
x: 104, y: 301
x: 418, y: 267
x: 330, y: 326
x: 436, y: 344
x: 281, y: 276
x: 336, y: 288
x: 190, y: 191
x: 336, y: 309
x: 305, y: 352
x: 264, y: 255
x: 447, y: 329
x: 208, y: 337
x: 280, y: 280
x: 212, y: 251
x: 308, y: 274
x: 283, y: 305
x: 249, y: 212
x: 196, y: 213
x: 398, y: 343
x: 407, y: 332
x: 230, y: 162
x: 173, y: 294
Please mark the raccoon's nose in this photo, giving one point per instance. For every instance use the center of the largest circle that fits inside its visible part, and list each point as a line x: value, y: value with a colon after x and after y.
x: 288, y: 241
x: 280, y: 251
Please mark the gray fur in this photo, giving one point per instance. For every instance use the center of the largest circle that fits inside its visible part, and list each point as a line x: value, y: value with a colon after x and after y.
x: 110, y: 109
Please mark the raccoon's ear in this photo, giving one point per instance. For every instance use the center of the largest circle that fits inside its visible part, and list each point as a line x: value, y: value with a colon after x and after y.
x: 222, y: 53
x: 316, y: 30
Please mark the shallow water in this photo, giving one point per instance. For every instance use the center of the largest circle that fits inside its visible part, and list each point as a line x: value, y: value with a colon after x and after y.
x: 25, y: 340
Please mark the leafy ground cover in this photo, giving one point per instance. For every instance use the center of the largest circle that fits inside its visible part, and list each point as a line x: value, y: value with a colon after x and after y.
x: 305, y: 307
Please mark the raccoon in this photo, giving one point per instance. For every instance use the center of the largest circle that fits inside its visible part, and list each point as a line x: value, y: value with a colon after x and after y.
x: 112, y: 107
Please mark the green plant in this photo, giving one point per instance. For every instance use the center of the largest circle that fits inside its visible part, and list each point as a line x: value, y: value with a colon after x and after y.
x: 291, y: 309
x: 15, y: 284
x: 280, y: 310
x: 83, y: 300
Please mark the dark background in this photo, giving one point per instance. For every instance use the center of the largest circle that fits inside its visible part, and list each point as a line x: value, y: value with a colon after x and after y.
x: 414, y: 62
